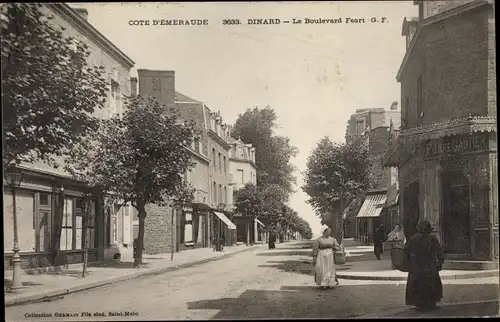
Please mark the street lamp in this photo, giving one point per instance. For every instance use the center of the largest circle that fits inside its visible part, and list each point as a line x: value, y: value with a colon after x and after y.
x: 14, y: 180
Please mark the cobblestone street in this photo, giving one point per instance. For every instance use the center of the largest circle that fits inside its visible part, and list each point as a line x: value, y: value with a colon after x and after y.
x: 256, y: 284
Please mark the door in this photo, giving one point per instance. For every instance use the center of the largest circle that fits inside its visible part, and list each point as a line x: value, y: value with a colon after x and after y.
x: 456, y: 219
x: 411, y: 208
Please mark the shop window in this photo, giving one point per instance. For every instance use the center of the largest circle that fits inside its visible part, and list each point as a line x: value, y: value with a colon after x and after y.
x: 456, y: 218
x: 42, y: 222
x: 66, y: 242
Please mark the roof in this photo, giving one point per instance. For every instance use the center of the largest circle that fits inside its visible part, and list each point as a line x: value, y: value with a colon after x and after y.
x: 372, y: 206
x: 85, y: 28
x: 179, y: 97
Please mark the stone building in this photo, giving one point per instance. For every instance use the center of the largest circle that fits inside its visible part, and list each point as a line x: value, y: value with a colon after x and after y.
x: 446, y: 151
x: 363, y: 216
x: 44, y: 190
x: 198, y: 224
x: 244, y: 170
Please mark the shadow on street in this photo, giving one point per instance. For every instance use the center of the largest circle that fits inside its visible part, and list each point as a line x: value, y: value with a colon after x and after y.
x: 345, y: 301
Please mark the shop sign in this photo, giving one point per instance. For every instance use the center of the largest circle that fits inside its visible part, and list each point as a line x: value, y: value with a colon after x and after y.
x: 456, y: 145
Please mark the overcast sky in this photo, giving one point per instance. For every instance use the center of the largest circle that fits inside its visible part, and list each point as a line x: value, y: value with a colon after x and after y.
x: 313, y: 76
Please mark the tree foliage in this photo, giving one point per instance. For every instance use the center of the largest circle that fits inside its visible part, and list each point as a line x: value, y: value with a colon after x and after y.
x: 337, y: 173
x: 273, y: 153
x: 139, y: 158
x: 49, y: 92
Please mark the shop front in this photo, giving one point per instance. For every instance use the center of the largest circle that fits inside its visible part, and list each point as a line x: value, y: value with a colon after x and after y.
x: 370, y: 215
x: 223, y: 230
x: 49, y: 212
x: 450, y: 179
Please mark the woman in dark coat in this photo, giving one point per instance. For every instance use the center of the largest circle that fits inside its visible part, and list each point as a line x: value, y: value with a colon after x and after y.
x: 272, y: 240
x: 425, y: 258
x: 379, y: 238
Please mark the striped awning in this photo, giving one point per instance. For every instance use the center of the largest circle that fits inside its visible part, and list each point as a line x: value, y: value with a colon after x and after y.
x: 226, y: 220
x: 372, y: 206
x: 260, y: 222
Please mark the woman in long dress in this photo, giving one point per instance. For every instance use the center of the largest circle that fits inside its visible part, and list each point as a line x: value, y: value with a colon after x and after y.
x: 425, y: 258
x: 378, y: 242
x: 323, y: 260
x: 395, y: 239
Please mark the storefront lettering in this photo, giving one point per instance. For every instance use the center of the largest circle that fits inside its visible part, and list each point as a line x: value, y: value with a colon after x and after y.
x: 457, y: 145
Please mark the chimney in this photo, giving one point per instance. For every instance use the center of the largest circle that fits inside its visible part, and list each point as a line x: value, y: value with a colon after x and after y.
x: 394, y: 106
x: 83, y: 13
x: 133, y: 86
x: 159, y: 84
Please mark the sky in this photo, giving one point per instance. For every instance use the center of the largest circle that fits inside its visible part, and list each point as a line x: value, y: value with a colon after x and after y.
x: 313, y: 75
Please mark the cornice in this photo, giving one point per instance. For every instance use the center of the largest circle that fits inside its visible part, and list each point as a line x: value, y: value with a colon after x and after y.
x: 432, y: 20
x: 244, y: 161
x: 84, y: 27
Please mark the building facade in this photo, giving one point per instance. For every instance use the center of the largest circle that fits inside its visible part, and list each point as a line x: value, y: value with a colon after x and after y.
x: 244, y: 170
x: 205, y: 222
x: 363, y: 216
x: 446, y: 152
x: 45, y: 192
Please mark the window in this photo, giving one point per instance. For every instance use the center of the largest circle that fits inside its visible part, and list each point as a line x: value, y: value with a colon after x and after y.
x: 214, y: 192
x: 225, y: 165
x: 213, y: 159
x: 197, y: 145
x: 240, y: 178
x: 220, y: 193
x: 66, y: 242
x: 220, y: 163
x: 360, y: 126
x: 115, y: 99
x: 225, y: 195
x: 420, y: 100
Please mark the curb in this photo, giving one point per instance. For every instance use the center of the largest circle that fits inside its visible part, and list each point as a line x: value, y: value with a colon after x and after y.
x: 403, y: 278
x: 389, y: 313
x: 156, y: 271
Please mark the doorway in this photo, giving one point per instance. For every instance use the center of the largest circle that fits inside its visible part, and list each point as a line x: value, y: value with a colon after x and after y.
x: 456, y: 219
x: 411, y: 209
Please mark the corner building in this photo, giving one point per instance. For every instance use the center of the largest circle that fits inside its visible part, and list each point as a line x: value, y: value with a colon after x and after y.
x: 446, y: 152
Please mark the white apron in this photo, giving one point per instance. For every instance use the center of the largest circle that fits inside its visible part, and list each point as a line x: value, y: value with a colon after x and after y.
x: 325, y: 268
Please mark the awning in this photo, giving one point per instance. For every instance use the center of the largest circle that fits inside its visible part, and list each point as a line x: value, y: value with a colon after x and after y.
x: 260, y: 222
x: 226, y: 220
x: 372, y: 206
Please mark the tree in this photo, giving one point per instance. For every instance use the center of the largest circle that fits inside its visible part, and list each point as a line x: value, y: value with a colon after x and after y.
x: 273, y: 153
x: 48, y: 91
x: 138, y: 159
x: 248, y: 203
x: 335, y: 175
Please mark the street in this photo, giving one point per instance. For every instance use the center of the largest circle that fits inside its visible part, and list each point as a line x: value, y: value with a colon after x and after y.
x: 252, y: 285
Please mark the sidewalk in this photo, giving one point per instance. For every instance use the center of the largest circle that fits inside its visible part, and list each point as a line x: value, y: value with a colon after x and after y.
x: 43, y: 286
x: 381, y: 270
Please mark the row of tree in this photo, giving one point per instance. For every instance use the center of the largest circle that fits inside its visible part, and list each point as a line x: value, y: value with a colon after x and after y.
x: 268, y: 200
x: 336, y: 175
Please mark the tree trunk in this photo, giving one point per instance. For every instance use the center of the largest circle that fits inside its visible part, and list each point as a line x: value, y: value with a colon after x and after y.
x: 140, y: 238
x: 172, y: 232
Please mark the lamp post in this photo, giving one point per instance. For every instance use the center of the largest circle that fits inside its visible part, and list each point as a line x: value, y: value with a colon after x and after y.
x: 14, y: 179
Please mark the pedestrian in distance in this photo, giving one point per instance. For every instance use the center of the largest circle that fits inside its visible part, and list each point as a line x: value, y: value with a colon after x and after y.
x: 425, y: 258
x: 272, y: 240
x: 324, y: 260
x: 379, y: 238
